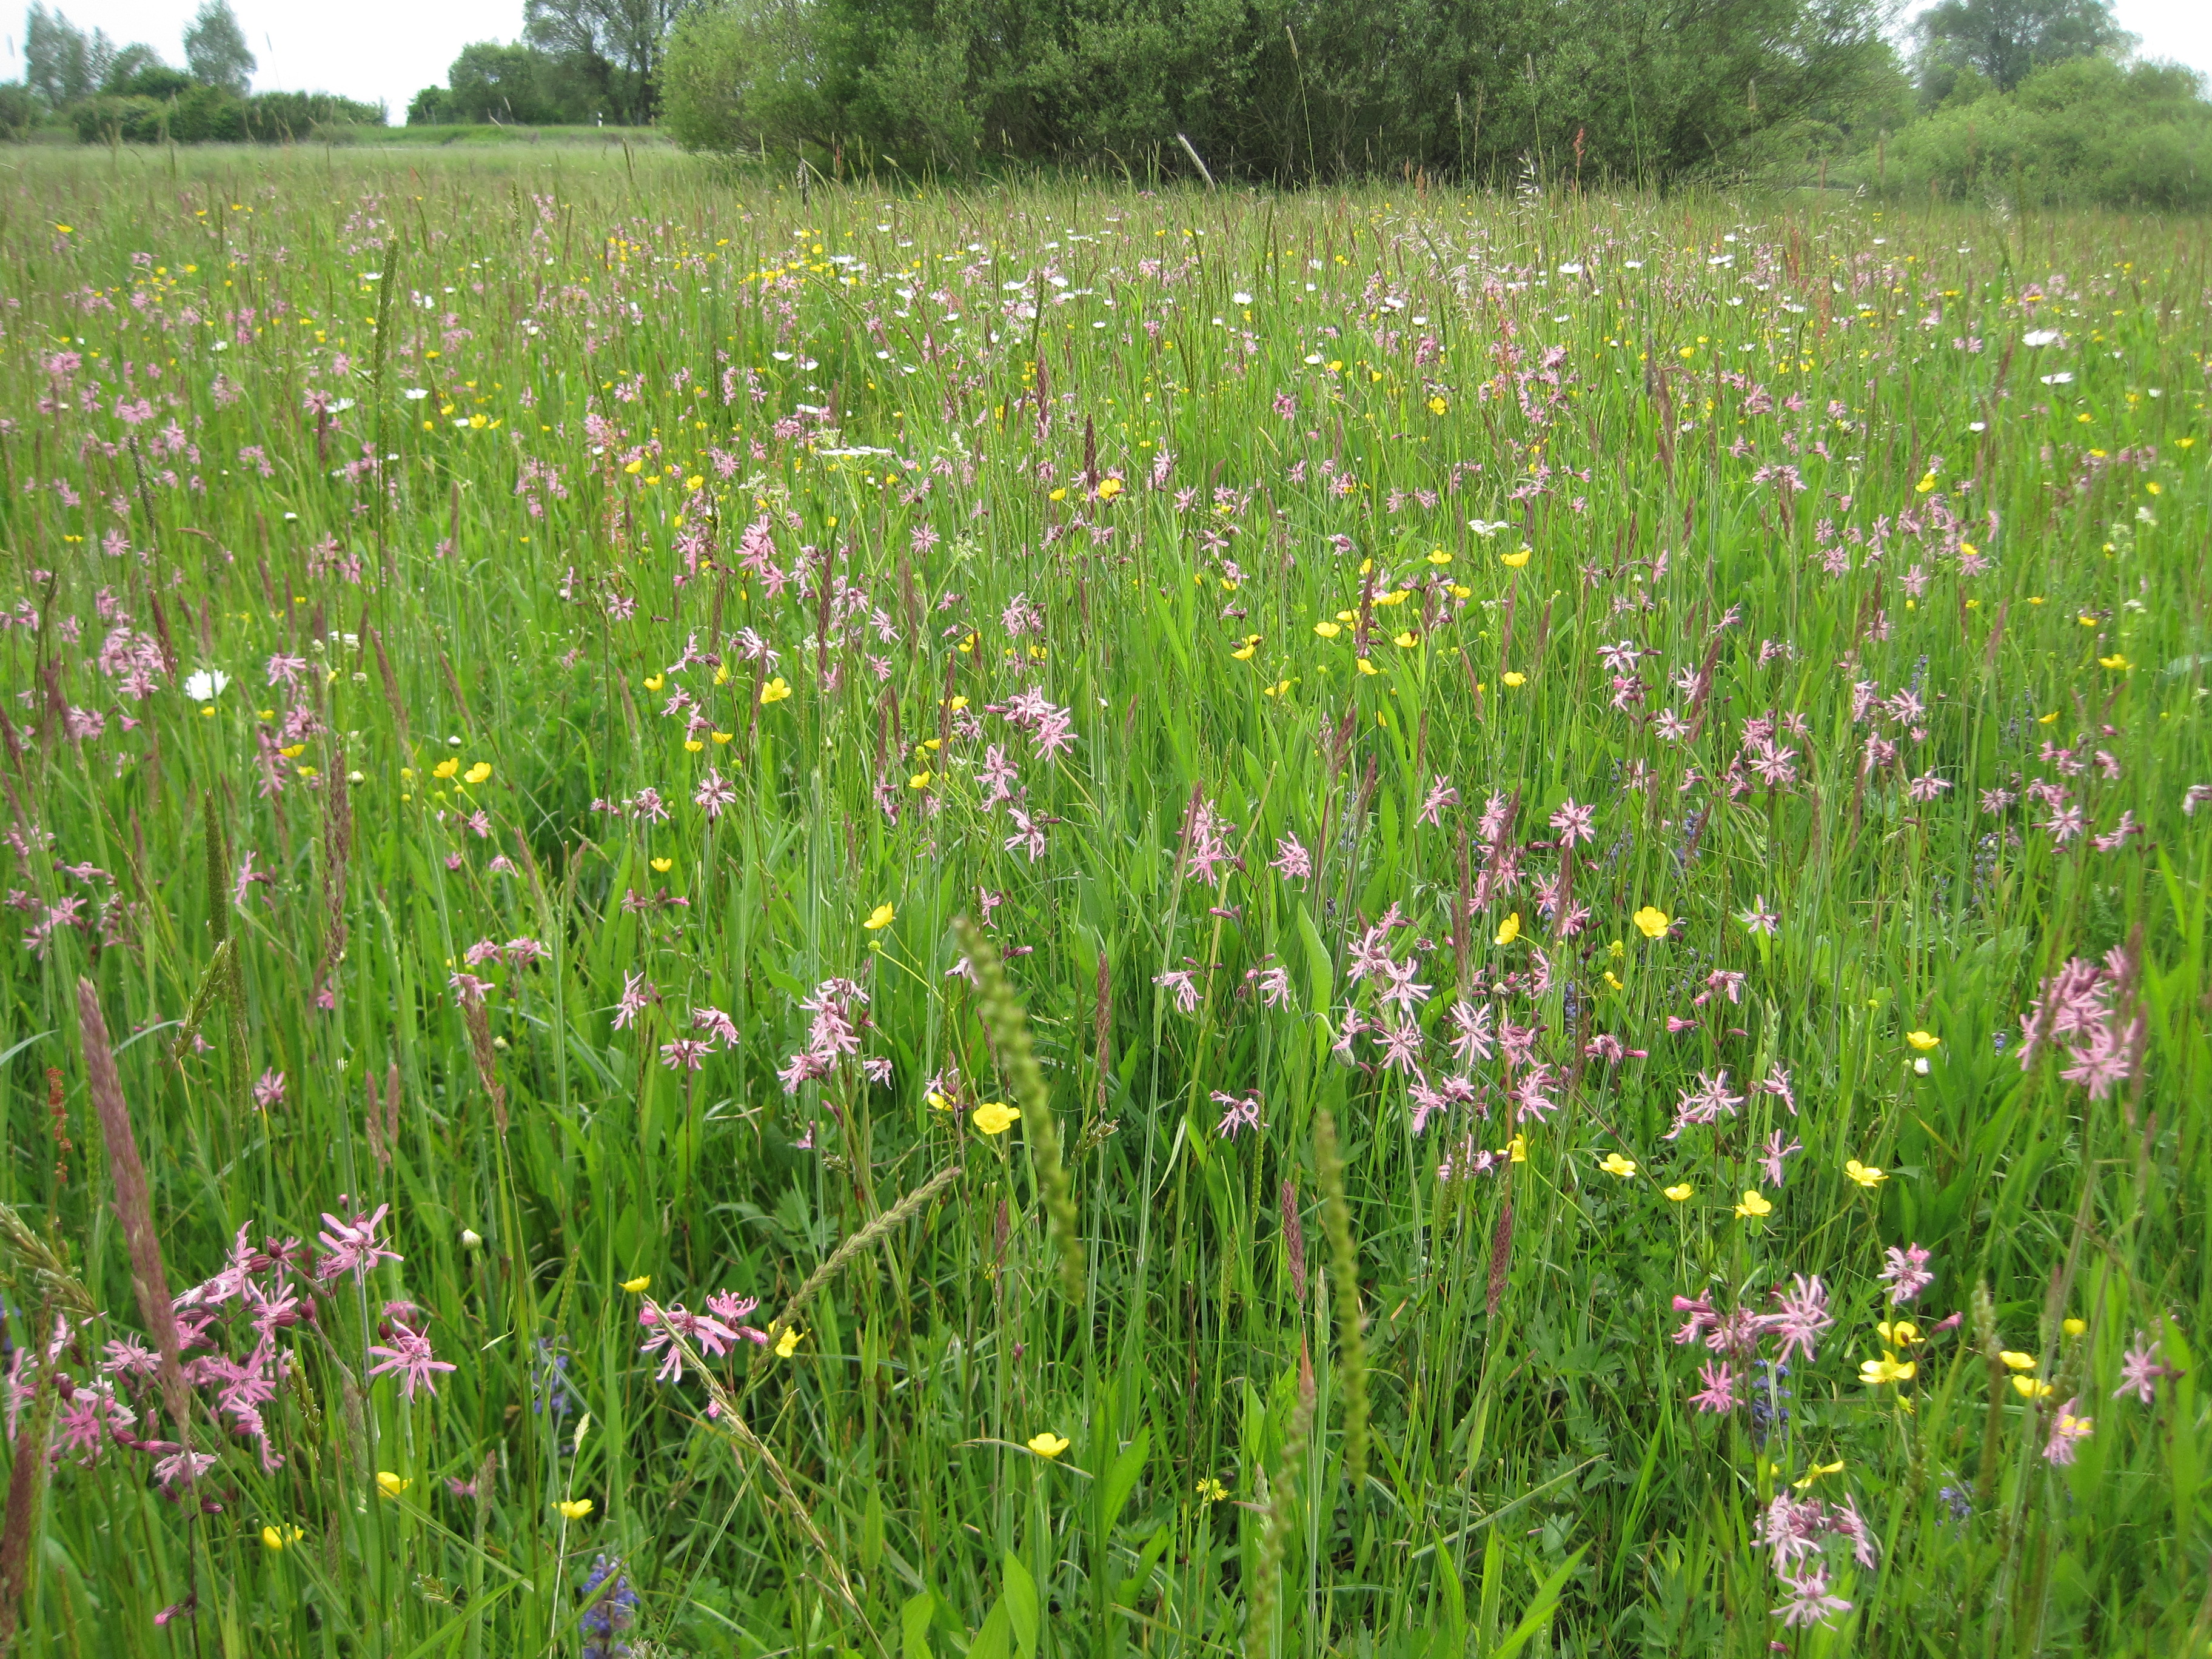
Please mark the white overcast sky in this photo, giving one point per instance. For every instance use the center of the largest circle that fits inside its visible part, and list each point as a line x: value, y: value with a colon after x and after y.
x: 393, y: 49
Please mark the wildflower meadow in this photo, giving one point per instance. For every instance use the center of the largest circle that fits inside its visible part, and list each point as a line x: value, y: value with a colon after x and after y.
x: 756, y: 914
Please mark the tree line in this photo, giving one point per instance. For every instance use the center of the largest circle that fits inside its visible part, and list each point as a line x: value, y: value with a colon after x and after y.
x: 2034, y: 100
x: 106, y: 90
x: 2037, y: 98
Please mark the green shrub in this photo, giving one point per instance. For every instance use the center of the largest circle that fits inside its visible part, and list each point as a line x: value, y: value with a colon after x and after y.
x: 2084, y: 131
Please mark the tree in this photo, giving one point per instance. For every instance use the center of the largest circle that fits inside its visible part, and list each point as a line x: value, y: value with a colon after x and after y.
x: 215, y: 49
x: 614, y: 46
x: 744, y: 73
x: 138, y: 70
x: 2004, y: 40
x: 57, y: 58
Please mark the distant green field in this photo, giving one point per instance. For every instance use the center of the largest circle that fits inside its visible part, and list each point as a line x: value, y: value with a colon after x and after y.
x: 1059, y: 920
x: 475, y: 134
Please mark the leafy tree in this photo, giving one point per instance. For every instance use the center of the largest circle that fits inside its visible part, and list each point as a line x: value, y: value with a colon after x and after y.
x: 1288, y: 89
x: 215, y: 49
x: 56, y: 58
x: 139, y: 68
x: 2083, y: 130
x: 492, y: 82
x: 2006, y: 41
x: 519, y: 84
x: 747, y: 73
x: 613, y: 47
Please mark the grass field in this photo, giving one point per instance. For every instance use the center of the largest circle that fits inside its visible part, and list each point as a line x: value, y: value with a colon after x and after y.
x: 1064, y: 921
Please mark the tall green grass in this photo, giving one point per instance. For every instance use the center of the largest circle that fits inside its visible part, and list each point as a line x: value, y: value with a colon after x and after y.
x: 1317, y: 1394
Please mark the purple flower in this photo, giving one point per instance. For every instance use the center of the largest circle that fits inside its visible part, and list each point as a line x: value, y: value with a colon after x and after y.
x: 409, y: 1358
x: 182, y: 1467
x: 1440, y: 795
x: 636, y: 992
x: 685, y: 1054
x: 351, y: 1246
x: 1208, y: 846
x: 1183, y: 986
x: 1907, y: 1273
x: 2066, y: 1430
x: 718, y: 1025
x: 1770, y: 1160
x: 608, y: 1612
x: 1801, y: 1316
x: 468, y: 990
x: 2139, y: 1370
x: 1292, y: 861
x: 1471, y: 1032
x: 1239, y: 1113
x: 1809, y: 1601
x: 714, y: 792
x: 1719, y: 1393
x: 268, y: 1092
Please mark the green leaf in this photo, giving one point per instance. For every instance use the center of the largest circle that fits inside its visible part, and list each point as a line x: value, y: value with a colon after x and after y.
x: 913, y: 1625
x: 1020, y: 1601
x: 991, y: 1640
x: 1540, y: 1609
x: 1321, y: 970
x: 1121, y: 1478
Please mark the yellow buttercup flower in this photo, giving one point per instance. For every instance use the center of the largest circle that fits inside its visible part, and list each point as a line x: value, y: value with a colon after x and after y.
x: 1516, y: 559
x: 279, y: 1538
x: 1047, y: 1444
x: 662, y: 866
x: 1109, y: 489
x: 721, y: 737
x: 2018, y: 1361
x: 654, y: 682
x: 1680, y: 1192
x: 1816, y: 1472
x: 445, y: 769
x: 478, y: 773
x: 1328, y: 630
x: 1210, y: 1489
x: 1509, y: 929
x: 1752, y: 1205
x: 1517, y: 1150
x: 2115, y: 661
x: 1245, y: 653
x: 775, y: 691
x: 1513, y: 678
x: 2029, y: 1388
x: 573, y: 1508
x: 788, y: 1344
x: 643, y: 1281
x: 1865, y: 1174
x: 878, y: 918
x: 2073, y: 1327
x: 919, y: 780
x: 1367, y: 667
x: 1875, y: 1373
x: 390, y: 1483
x: 1899, y: 1334
x: 1923, y: 1041
x: 1651, y: 921
x: 1615, y: 1165
x: 995, y: 1117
